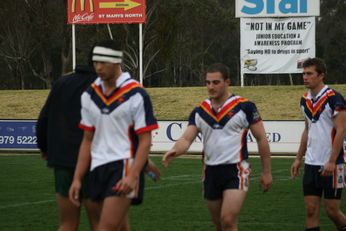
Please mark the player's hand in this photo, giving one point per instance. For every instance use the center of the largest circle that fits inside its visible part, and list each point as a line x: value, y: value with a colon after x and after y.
x: 168, y: 156
x: 328, y: 169
x: 125, y: 185
x: 266, y: 181
x: 151, y: 167
x: 295, y: 168
x: 74, y: 192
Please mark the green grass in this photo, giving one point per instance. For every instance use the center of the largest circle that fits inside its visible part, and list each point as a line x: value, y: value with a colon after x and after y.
x: 273, y: 102
x: 27, y: 199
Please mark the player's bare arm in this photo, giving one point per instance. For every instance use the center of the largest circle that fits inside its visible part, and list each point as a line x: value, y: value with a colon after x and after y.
x: 258, y: 132
x: 339, y: 126
x: 82, y: 167
x: 182, y: 145
x: 301, y: 151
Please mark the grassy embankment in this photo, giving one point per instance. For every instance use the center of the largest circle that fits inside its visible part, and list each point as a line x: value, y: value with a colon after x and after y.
x: 273, y: 102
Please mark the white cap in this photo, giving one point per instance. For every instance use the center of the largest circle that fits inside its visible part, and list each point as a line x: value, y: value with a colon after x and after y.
x: 104, y: 54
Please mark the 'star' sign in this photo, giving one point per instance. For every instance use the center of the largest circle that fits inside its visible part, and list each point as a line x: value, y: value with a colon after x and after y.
x: 277, y: 8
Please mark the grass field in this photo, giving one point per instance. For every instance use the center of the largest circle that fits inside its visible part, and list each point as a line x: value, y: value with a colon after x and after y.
x: 27, y: 198
x: 173, y: 204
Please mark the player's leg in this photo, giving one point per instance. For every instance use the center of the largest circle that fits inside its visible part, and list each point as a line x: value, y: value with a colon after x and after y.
x: 332, y: 195
x: 93, y: 210
x: 312, y: 189
x: 234, y: 194
x: 125, y: 226
x: 68, y: 214
x: 220, y: 184
x: 214, y: 207
x: 114, y: 205
x: 332, y: 207
x: 213, y: 195
x: 113, y: 214
x: 232, y: 203
x: 312, y: 209
x: 333, y: 211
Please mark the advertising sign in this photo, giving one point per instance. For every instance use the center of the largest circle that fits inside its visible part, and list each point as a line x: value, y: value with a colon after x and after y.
x: 106, y: 11
x: 277, y: 8
x: 283, y: 136
x: 276, y: 45
x: 18, y: 135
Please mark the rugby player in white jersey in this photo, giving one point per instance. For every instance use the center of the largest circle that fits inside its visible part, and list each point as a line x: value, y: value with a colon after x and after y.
x: 117, y: 119
x: 224, y: 120
x: 324, y: 110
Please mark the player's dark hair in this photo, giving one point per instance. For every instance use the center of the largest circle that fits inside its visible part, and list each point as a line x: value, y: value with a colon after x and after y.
x: 320, y: 65
x: 219, y: 67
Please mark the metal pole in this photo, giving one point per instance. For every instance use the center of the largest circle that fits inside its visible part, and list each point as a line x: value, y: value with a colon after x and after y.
x: 109, y: 31
x: 140, y: 54
x: 73, y: 47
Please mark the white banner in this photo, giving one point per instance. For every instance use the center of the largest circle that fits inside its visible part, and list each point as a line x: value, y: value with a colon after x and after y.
x: 276, y: 45
x: 283, y: 136
x: 276, y: 8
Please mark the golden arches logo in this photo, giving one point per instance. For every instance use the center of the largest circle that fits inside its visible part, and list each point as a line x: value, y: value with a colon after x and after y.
x: 82, y: 5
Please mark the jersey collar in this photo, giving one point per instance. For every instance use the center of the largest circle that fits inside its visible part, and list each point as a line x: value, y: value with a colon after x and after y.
x: 320, y: 93
x: 125, y: 76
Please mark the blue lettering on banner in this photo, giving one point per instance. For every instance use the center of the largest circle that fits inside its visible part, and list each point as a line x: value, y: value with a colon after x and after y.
x: 272, y: 137
x: 169, y: 131
x: 171, y: 138
x: 284, y: 6
x: 18, y: 134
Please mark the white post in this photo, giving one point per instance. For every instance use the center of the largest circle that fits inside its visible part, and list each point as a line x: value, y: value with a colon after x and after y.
x: 140, y: 54
x: 73, y: 47
x: 241, y: 79
x: 110, y: 31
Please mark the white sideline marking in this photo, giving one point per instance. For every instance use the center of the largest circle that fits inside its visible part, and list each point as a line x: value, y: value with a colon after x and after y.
x: 26, y: 204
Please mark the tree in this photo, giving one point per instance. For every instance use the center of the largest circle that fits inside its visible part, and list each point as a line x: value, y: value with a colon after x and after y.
x: 181, y: 38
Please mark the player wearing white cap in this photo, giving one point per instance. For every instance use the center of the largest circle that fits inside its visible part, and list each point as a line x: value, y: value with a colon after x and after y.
x: 117, y: 119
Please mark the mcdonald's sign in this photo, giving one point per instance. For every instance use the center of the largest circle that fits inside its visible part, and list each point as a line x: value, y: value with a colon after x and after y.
x: 106, y: 11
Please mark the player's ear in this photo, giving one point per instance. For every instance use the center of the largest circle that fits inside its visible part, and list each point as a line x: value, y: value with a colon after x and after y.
x: 228, y: 82
x: 323, y: 75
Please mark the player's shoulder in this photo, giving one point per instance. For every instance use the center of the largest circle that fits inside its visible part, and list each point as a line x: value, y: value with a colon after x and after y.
x: 133, y: 87
x: 243, y: 102
x: 239, y: 99
x: 334, y: 93
x: 96, y: 84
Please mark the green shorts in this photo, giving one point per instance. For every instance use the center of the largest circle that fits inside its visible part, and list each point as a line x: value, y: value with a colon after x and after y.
x: 63, y: 180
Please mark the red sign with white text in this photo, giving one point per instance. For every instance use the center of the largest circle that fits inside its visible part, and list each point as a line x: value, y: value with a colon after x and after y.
x: 105, y: 11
